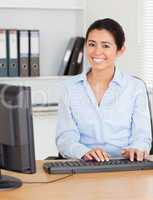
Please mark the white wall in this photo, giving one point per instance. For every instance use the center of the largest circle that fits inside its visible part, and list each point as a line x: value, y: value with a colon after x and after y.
x: 126, y: 13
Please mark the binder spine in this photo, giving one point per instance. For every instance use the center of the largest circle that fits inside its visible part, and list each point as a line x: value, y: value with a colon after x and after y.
x: 34, y: 52
x: 12, y: 56
x: 3, y: 53
x: 23, y: 52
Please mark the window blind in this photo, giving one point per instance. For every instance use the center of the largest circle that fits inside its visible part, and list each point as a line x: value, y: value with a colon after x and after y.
x: 148, y: 42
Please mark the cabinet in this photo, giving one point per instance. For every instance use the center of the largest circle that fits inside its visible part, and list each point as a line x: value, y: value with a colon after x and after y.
x: 45, y: 127
x: 57, y: 21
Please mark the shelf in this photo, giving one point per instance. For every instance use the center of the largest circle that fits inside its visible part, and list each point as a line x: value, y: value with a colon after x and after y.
x: 34, y: 78
x: 44, y: 90
x: 46, y: 4
x: 45, y: 108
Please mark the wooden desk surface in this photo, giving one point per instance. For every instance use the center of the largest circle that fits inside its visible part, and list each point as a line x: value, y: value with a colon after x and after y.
x: 133, y: 185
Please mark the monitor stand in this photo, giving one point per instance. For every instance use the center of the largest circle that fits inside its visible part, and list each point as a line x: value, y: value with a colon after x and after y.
x: 9, y: 182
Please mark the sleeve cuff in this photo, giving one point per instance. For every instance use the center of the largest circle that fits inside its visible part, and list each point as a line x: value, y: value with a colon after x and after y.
x: 76, y: 151
x: 140, y: 146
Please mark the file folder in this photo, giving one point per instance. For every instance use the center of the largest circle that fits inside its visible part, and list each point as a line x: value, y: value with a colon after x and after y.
x: 76, y: 61
x: 67, y: 55
x: 12, y: 53
x: 34, y: 52
x: 3, y: 53
x: 23, y: 52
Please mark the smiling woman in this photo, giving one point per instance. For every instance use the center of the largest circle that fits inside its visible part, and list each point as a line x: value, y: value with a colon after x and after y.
x: 104, y: 112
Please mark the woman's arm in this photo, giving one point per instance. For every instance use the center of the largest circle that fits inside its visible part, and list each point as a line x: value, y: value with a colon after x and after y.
x: 141, y: 138
x: 141, y: 123
x: 67, y: 133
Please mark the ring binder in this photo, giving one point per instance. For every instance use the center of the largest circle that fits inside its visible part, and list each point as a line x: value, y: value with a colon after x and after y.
x: 34, y: 52
x: 12, y: 54
x: 23, y: 52
x: 66, y: 60
x: 76, y: 60
x: 3, y: 53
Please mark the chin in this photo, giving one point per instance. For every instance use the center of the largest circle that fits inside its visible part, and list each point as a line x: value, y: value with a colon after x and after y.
x: 99, y: 67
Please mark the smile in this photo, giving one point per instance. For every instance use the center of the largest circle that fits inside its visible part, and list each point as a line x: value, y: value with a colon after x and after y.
x: 98, y: 60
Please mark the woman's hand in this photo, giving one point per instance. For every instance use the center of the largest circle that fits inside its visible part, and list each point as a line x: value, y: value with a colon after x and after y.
x: 132, y: 154
x: 96, y: 154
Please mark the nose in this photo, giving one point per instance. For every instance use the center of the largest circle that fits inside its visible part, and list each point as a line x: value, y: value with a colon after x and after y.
x: 98, y: 50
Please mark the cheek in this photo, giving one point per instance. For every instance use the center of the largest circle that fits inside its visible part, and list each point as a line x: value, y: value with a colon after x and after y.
x: 89, y: 54
x: 112, y: 55
x: 89, y: 51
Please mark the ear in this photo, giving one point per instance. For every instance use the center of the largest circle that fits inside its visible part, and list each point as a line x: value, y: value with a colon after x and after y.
x: 121, y: 51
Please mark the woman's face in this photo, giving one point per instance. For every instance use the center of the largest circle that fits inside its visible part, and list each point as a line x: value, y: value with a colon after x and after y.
x: 101, y: 49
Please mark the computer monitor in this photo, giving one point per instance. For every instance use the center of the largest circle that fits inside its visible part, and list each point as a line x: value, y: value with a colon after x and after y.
x: 16, y: 133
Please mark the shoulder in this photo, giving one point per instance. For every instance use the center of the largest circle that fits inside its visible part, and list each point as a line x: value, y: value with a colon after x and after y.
x: 133, y: 81
x: 73, y: 82
x: 71, y: 85
x: 70, y: 89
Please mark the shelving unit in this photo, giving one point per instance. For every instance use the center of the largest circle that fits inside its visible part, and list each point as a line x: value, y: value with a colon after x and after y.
x: 57, y: 21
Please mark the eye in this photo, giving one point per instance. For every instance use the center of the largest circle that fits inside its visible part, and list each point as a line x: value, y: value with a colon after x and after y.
x: 91, y: 44
x: 105, y: 46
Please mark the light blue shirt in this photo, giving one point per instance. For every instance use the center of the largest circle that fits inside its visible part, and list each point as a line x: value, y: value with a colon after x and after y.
x: 122, y: 118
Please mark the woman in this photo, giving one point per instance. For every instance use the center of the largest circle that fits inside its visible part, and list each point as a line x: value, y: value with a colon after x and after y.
x: 104, y: 112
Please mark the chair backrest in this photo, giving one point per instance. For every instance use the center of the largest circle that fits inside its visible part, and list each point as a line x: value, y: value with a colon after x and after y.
x: 150, y: 105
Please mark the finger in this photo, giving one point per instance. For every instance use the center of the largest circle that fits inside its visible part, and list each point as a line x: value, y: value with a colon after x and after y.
x: 100, y: 154
x: 88, y: 157
x: 125, y: 153
x: 85, y: 158
x: 146, y: 155
x: 131, y: 154
x: 106, y: 156
x: 139, y: 155
x: 95, y: 156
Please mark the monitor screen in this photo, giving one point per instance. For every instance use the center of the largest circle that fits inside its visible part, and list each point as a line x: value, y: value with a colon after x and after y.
x: 16, y: 133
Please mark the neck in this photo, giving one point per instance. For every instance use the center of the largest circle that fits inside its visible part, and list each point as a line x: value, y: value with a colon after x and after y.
x: 101, y: 77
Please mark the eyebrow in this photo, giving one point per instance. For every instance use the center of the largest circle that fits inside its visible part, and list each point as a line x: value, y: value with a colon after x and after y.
x: 103, y: 42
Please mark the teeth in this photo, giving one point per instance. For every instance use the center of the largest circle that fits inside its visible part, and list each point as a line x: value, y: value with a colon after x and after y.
x: 98, y: 60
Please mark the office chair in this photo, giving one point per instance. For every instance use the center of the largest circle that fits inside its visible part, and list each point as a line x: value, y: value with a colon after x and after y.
x: 58, y: 157
x: 150, y: 111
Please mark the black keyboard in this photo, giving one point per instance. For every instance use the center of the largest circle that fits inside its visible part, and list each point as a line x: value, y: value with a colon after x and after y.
x: 81, y: 166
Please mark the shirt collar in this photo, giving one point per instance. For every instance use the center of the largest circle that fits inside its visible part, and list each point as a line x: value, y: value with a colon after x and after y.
x: 116, y: 79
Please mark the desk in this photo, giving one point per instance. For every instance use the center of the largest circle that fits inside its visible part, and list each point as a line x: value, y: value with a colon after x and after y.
x: 133, y: 185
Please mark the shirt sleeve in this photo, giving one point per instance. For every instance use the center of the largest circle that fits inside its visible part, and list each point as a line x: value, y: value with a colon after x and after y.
x: 141, y: 122
x: 67, y: 133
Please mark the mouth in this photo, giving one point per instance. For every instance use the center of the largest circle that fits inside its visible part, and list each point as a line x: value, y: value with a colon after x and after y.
x: 98, y: 60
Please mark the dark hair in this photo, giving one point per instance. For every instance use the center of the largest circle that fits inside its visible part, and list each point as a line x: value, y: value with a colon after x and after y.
x: 112, y: 26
